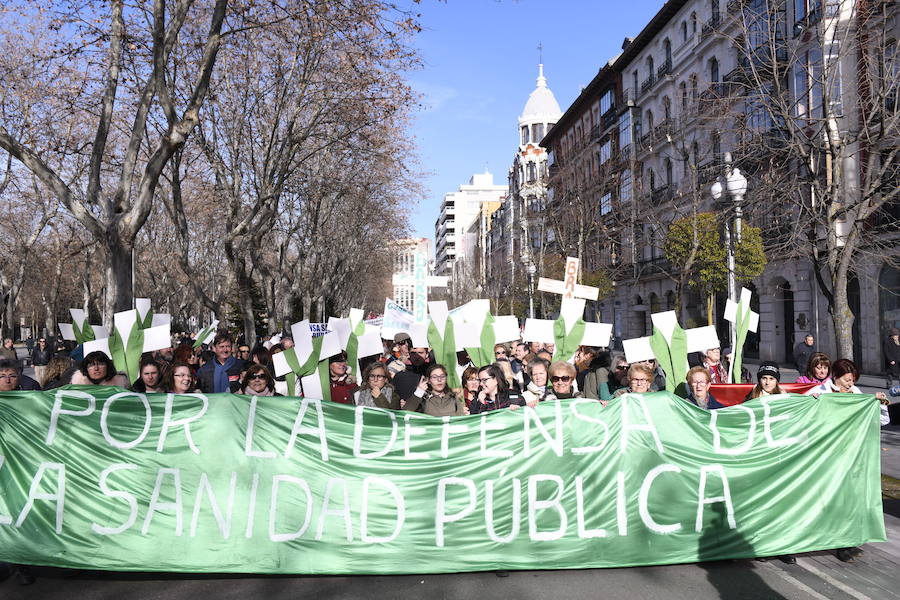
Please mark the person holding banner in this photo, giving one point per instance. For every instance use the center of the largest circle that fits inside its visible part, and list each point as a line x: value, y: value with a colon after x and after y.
x: 179, y: 379
x: 222, y: 374
x: 258, y: 381
x: 818, y: 371
x: 698, y: 380
x: 433, y: 397
x: 537, y: 389
x: 640, y: 379
x: 562, y: 378
x: 768, y: 377
x: 98, y: 369
x: 150, y: 380
x: 375, y: 390
x: 494, y: 393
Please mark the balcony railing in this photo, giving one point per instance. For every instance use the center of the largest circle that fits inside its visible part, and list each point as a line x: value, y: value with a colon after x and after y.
x: 710, y: 27
x: 629, y: 96
x: 664, y: 69
x: 648, y: 83
x: 609, y: 120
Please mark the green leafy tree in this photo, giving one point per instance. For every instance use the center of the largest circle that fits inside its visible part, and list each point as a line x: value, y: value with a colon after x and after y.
x: 695, y: 244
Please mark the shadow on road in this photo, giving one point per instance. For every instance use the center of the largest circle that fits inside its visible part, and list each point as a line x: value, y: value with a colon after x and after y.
x: 734, y: 580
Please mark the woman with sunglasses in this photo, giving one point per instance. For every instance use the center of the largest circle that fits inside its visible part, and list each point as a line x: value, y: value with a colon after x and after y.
x: 375, y: 390
x: 562, y: 378
x: 493, y: 392
x: 433, y: 397
x: 258, y: 382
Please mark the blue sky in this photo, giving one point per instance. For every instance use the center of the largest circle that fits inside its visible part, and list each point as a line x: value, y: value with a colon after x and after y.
x: 480, y: 63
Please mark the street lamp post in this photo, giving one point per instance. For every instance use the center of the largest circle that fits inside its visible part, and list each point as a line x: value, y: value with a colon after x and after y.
x: 735, y: 187
x: 531, y: 270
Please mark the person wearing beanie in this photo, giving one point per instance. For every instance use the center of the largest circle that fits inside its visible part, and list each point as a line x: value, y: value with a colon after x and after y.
x: 768, y: 377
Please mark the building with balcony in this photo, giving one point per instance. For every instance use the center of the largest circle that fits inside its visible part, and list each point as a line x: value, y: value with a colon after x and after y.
x: 647, y: 137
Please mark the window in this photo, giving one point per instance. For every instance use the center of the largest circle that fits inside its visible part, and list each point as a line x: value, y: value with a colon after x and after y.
x: 532, y: 173
x: 670, y: 178
x: 605, y: 151
x: 682, y: 91
x: 667, y: 49
x: 635, y: 83
x: 648, y: 119
x: 537, y: 132
x: 651, y: 179
x: 693, y: 22
x: 650, y: 67
x: 714, y: 70
x: 625, y: 129
x: 799, y: 9
x: 625, y: 186
x: 605, y: 204
x: 693, y: 86
x: 716, y: 144
x: 524, y: 134
x: 606, y: 101
x: 667, y: 108
x: 714, y: 10
x: 684, y: 31
x: 816, y: 78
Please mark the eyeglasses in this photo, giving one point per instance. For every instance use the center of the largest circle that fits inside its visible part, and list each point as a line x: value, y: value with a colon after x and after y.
x: 244, y: 350
x: 621, y: 367
x: 499, y: 353
x: 256, y: 376
x: 565, y: 378
x: 13, y: 376
x: 640, y: 380
x: 438, y: 377
x: 480, y: 380
x: 374, y: 376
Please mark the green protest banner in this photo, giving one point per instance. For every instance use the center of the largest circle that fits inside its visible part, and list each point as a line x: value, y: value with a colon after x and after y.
x: 100, y: 478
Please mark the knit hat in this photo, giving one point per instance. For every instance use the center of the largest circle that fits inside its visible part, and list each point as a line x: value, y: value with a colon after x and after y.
x: 768, y: 368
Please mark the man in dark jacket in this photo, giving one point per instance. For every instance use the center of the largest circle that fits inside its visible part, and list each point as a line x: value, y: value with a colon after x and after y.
x: 40, y: 358
x: 406, y: 381
x: 223, y: 373
x: 803, y: 351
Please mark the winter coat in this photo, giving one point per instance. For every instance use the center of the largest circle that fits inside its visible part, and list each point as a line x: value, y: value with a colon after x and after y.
x: 436, y: 405
x: 503, y: 400
x: 387, y: 399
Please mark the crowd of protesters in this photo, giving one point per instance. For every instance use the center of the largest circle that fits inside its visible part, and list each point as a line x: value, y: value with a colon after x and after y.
x: 406, y: 377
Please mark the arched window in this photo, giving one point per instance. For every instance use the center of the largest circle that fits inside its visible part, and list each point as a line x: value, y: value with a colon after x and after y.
x: 667, y: 108
x: 714, y: 11
x: 682, y: 90
x: 716, y: 144
x: 667, y: 49
x: 693, y: 86
x: 693, y: 22
x: 684, y: 31
x: 648, y: 121
x: 524, y: 134
x: 651, y: 179
x: 713, y: 70
x: 649, y: 66
x: 532, y: 173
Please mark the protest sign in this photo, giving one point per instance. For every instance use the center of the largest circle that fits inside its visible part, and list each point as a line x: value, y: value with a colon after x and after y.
x: 98, y: 478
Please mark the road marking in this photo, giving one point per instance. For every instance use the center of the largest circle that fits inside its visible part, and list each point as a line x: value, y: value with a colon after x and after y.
x: 808, y: 565
x: 794, y: 581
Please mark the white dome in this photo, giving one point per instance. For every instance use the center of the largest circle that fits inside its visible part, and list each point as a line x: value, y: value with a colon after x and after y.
x: 542, y: 106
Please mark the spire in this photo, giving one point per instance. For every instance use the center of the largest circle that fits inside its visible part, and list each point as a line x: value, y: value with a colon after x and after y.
x: 541, y: 80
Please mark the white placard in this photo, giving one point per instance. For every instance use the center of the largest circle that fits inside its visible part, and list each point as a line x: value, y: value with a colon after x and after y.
x: 418, y: 334
x: 539, y: 330
x: 157, y: 338
x: 67, y: 331
x: 506, y: 328
x: 571, y: 309
x: 701, y: 339
x: 597, y: 334
x: 439, y: 314
x: 94, y: 345
x: 280, y: 364
x: 665, y: 322
x: 161, y: 319
x: 342, y: 328
x: 125, y: 322
x: 638, y: 349
x: 142, y: 306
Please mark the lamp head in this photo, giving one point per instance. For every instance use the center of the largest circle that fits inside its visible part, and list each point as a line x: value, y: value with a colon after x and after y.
x: 737, y: 183
x: 716, y: 190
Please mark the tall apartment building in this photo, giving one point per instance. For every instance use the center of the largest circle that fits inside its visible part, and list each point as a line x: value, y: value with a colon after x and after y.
x: 647, y: 137
x: 458, y: 210
x: 412, y: 266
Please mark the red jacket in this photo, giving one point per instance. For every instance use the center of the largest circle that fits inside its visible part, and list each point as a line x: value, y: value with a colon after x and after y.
x: 342, y: 390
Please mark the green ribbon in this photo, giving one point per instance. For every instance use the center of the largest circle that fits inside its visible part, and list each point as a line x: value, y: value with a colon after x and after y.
x: 742, y: 323
x: 444, y: 348
x: 202, y: 336
x: 672, y: 357
x: 566, y: 344
x: 126, y: 354
x: 353, y: 348
x: 311, y: 365
x: 83, y: 335
x: 483, y: 355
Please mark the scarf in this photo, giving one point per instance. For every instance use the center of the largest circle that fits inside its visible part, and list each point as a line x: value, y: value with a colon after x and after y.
x: 220, y: 375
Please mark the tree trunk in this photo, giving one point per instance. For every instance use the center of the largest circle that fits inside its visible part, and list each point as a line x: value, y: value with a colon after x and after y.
x: 842, y: 317
x: 119, y: 295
